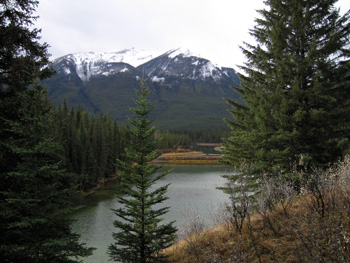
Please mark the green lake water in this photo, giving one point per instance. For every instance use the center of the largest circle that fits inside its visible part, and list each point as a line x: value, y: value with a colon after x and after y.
x: 193, y: 188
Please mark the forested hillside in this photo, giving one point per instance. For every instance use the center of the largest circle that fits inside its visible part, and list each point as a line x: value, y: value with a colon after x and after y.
x: 186, y: 91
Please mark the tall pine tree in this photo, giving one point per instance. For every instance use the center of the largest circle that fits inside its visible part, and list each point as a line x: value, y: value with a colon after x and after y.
x: 36, y: 193
x: 20, y: 54
x: 34, y: 190
x: 296, y: 91
x: 143, y: 235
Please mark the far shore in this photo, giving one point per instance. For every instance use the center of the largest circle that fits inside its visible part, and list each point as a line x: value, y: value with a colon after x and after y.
x: 181, y: 156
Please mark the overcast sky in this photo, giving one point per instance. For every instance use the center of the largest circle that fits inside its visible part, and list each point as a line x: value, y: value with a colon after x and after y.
x: 212, y: 29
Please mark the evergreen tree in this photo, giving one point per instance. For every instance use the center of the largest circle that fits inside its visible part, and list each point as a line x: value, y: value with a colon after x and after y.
x: 36, y: 193
x: 142, y: 234
x: 296, y: 111
x: 34, y: 190
x: 20, y: 54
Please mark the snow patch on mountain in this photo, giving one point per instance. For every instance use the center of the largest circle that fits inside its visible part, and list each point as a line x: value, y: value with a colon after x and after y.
x: 157, y: 79
x: 184, y: 52
x: 209, y: 70
x: 67, y: 70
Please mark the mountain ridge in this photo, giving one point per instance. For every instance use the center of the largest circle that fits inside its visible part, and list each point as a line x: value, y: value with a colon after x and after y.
x: 89, y: 63
x: 186, y: 90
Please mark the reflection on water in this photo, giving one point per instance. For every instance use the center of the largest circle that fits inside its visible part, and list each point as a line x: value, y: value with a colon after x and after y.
x: 191, y: 187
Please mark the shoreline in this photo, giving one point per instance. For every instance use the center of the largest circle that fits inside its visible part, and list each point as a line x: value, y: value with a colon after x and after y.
x: 99, y: 185
x: 190, y: 157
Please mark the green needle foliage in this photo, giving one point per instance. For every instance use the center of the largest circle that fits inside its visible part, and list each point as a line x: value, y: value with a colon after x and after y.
x: 296, y: 91
x: 34, y: 189
x: 142, y: 235
x: 36, y: 192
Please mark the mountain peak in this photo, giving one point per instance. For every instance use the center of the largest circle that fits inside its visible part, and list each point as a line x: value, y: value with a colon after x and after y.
x: 88, y: 64
x: 180, y: 62
x: 185, y: 64
x: 182, y: 52
x: 130, y: 56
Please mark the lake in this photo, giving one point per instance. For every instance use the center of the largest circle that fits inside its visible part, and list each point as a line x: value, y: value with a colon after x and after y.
x: 192, y: 192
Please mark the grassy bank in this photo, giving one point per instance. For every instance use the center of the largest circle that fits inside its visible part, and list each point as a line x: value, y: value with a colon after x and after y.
x: 186, y: 156
x: 313, y: 226
x: 191, y: 157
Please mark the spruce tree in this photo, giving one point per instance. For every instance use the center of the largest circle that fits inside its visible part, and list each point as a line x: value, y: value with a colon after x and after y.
x: 21, y: 54
x: 142, y: 234
x: 295, y: 87
x: 34, y: 190
x: 36, y: 193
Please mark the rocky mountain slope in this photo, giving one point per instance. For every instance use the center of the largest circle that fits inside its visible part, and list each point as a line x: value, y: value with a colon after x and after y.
x: 186, y: 90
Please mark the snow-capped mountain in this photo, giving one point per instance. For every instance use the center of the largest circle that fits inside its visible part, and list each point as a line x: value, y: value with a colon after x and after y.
x: 157, y: 65
x: 186, y: 89
x: 184, y: 64
x: 88, y: 64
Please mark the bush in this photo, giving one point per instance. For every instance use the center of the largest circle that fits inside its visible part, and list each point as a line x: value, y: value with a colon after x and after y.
x: 313, y: 226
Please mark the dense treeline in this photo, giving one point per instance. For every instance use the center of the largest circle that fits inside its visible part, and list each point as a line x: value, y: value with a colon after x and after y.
x: 214, y: 135
x: 91, y: 144
x: 186, y: 137
x: 173, y: 140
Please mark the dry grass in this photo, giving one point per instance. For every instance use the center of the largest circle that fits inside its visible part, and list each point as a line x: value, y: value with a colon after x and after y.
x: 188, y: 157
x: 313, y: 227
x: 172, y: 154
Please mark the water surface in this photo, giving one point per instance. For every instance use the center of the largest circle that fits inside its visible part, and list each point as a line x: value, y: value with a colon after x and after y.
x: 192, y: 188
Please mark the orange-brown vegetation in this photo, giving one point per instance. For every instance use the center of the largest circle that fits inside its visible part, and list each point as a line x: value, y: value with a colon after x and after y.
x: 312, y: 226
x: 186, y: 156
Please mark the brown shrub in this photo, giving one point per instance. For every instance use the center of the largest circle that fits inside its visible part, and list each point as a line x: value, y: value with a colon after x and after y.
x: 311, y: 227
